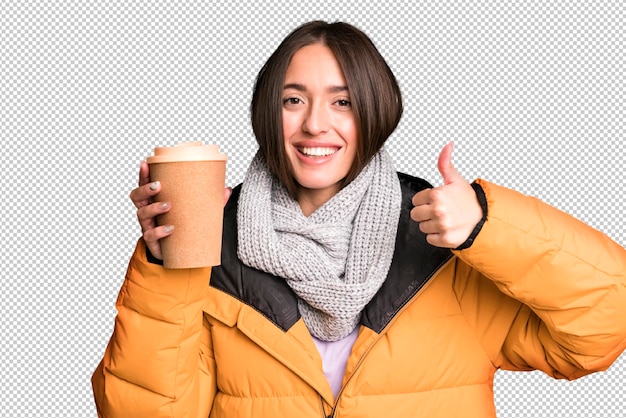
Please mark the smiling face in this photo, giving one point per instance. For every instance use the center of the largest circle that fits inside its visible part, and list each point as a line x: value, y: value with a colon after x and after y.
x: 319, y: 125
x: 312, y: 138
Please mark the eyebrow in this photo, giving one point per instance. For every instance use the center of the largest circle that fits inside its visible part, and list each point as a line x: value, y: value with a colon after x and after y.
x: 302, y: 87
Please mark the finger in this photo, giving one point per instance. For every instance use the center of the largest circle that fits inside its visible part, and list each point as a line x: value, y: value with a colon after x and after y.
x: 435, y: 240
x: 442, y: 240
x: 227, y: 192
x: 153, y: 236
x: 444, y: 164
x: 144, y: 173
x: 421, y: 213
x: 429, y: 227
x: 141, y: 195
x: 421, y: 198
x: 147, y: 214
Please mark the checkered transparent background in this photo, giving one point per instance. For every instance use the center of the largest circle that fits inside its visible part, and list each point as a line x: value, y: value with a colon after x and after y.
x: 531, y: 92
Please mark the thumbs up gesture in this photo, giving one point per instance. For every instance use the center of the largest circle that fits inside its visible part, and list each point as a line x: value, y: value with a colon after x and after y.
x: 447, y: 214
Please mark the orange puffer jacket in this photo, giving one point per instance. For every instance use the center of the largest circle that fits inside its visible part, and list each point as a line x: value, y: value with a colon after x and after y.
x: 536, y: 290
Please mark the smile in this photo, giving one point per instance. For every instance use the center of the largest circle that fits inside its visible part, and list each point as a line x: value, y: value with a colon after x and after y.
x: 317, y: 152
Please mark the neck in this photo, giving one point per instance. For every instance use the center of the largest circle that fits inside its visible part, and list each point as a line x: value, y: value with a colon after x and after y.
x: 311, y: 199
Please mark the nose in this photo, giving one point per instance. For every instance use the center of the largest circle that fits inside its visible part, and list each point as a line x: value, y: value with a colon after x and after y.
x: 316, y: 120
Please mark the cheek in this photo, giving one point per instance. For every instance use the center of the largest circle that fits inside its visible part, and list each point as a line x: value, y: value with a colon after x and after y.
x: 349, y: 132
x: 290, y: 125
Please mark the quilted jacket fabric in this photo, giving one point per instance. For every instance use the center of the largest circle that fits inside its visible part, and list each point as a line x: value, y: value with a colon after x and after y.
x: 537, y: 289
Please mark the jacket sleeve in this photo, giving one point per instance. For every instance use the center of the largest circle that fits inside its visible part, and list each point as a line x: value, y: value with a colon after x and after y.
x: 158, y: 362
x: 569, y: 278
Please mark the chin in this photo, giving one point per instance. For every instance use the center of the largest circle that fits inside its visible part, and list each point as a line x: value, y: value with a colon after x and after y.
x: 322, y: 184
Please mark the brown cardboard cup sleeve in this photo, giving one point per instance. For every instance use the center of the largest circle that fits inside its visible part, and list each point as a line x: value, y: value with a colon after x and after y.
x: 192, y: 179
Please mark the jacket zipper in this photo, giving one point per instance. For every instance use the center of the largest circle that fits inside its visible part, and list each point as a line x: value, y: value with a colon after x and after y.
x: 322, y: 409
x: 362, y: 359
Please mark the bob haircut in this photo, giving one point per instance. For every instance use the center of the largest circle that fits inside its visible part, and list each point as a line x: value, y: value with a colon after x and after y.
x: 374, y: 93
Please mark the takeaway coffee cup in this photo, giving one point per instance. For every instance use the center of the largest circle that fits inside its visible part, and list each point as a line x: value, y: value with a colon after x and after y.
x: 192, y: 177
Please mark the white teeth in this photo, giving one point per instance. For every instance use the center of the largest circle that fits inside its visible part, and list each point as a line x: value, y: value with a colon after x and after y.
x: 317, y: 152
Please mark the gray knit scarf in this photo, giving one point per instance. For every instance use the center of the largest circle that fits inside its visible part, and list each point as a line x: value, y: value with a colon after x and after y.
x: 334, y: 260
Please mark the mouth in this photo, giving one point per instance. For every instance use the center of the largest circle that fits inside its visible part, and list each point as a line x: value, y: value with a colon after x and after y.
x: 317, y: 152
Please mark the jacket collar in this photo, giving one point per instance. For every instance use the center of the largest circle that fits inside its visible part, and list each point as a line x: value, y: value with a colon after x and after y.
x: 414, y: 263
x: 269, y: 313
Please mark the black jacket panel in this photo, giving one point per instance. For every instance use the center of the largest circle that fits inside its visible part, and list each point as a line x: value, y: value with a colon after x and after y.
x: 414, y: 263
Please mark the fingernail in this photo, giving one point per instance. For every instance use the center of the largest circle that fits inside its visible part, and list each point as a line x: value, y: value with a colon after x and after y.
x: 164, y: 205
x: 154, y: 185
x: 168, y: 228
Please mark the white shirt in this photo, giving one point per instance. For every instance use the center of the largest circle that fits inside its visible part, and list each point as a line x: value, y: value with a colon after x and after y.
x: 335, y: 358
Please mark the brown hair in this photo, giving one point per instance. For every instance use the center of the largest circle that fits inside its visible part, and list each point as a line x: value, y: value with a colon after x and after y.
x: 374, y: 93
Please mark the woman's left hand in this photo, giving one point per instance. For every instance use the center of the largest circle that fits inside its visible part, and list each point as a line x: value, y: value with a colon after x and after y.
x: 449, y: 213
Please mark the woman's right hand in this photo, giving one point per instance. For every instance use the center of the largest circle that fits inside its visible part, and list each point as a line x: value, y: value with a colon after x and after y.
x: 147, y: 210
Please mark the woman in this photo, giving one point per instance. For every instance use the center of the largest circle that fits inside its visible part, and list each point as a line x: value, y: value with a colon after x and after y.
x: 347, y: 289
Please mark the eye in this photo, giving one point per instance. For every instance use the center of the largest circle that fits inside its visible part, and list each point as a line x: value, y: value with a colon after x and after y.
x: 344, y: 103
x: 291, y: 101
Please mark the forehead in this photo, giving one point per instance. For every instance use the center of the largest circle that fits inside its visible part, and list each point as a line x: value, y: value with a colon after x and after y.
x: 316, y: 63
